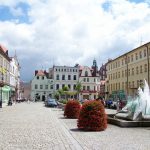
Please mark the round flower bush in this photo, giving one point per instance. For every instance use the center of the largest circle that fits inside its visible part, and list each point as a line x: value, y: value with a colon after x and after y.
x: 72, y: 109
x: 92, y: 116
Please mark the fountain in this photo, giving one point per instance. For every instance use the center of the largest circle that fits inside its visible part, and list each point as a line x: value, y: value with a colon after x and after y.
x: 136, y: 113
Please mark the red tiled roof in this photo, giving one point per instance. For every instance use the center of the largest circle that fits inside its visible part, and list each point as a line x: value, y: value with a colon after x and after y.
x: 41, y: 73
x: 4, y: 49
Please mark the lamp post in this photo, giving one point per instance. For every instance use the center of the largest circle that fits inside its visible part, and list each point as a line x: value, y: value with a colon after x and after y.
x: 147, y: 64
x: 1, y: 85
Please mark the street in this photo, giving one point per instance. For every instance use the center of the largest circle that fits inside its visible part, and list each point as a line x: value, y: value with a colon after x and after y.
x: 28, y: 126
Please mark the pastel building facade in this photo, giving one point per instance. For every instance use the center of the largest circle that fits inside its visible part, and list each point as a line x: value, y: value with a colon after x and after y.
x: 41, y: 86
x: 127, y: 72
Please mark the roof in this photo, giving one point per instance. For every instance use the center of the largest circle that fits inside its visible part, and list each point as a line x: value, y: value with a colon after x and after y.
x: 40, y: 73
x: 125, y: 54
x: 4, y: 49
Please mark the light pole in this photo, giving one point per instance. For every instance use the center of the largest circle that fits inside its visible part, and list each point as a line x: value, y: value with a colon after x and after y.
x: 147, y: 64
x: 1, y: 85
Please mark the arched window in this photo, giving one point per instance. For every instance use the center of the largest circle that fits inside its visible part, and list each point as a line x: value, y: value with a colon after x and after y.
x: 86, y: 73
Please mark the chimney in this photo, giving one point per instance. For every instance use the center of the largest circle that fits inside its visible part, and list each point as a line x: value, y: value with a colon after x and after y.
x: 36, y: 71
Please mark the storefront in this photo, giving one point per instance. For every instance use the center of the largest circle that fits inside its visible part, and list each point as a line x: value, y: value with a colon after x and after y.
x: 5, y: 94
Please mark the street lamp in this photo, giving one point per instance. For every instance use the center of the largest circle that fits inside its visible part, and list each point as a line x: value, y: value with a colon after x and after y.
x: 1, y: 85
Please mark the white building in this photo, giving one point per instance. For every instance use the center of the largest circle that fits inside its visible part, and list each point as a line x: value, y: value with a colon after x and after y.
x: 16, y: 92
x: 90, y: 81
x: 41, y: 86
x: 65, y: 76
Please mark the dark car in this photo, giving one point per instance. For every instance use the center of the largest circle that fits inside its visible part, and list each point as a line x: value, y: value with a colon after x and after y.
x: 51, y: 103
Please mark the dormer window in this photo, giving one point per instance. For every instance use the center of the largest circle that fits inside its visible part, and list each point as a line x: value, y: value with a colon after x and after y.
x: 86, y: 73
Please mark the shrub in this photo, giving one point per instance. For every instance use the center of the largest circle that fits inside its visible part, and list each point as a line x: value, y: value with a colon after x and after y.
x: 72, y: 109
x: 92, y: 116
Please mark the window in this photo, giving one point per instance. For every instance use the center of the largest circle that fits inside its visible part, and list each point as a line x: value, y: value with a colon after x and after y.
x: 137, y: 70
x: 132, y: 84
x: 83, y: 87
x: 74, y: 77
x: 129, y: 72
x: 69, y: 86
x: 144, y: 52
x: 125, y: 73
x: 122, y: 62
x: 141, y: 69
x: 37, y: 77
x: 43, y: 78
x: 36, y: 86
x: 136, y: 56
x: 122, y: 85
x: 138, y: 83
x: 63, y: 77
x: 57, y: 86
x: 64, y: 70
x: 118, y: 74
x: 74, y: 87
x: 69, y: 77
x: 51, y: 87
x: 41, y: 86
x: 84, y: 79
x: 57, y: 77
x: 145, y: 68
x: 86, y: 73
x: 94, y: 79
x: 131, y: 58
x: 128, y: 59
x: 122, y: 73
x: 46, y: 86
x: 87, y: 79
x: 63, y: 85
x: 140, y: 54
x: 56, y: 69
x: 132, y: 71
x: 88, y: 87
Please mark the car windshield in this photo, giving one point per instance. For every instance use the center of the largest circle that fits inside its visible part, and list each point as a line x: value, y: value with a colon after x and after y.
x: 51, y: 100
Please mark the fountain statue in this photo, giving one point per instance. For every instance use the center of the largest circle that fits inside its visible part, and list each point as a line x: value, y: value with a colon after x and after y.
x: 137, y: 108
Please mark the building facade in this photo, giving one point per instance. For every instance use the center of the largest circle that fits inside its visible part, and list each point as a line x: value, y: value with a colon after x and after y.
x: 41, y: 86
x: 126, y: 72
x: 65, y: 76
x: 90, y: 81
x: 103, y: 76
x: 16, y: 92
x: 4, y: 76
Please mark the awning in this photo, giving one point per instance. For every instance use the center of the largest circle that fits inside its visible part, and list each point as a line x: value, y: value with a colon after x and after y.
x: 6, y: 88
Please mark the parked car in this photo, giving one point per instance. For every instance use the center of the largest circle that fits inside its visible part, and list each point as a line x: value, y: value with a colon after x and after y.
x: 51, y: 103
x: 108, y: 103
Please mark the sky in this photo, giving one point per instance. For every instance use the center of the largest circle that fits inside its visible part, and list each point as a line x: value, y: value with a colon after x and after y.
x: 66, y: 32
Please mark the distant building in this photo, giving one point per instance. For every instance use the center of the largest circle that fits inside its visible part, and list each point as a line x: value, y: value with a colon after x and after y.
x: 89, y: 78
x: 41, y: 86
x: 126, y: 72
x: 65, y: 76
x: 103, y: 76
x: 16, y: 92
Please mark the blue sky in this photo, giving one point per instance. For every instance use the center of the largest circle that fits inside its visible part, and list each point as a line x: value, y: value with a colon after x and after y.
x: 62, y: 32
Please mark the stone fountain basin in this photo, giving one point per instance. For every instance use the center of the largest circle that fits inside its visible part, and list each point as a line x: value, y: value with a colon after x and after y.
x: 126, y: 123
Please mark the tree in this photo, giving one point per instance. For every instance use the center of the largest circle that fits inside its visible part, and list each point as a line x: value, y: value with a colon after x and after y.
x: 60, y: 92
x: 65, y: 90
x: 78, y: 88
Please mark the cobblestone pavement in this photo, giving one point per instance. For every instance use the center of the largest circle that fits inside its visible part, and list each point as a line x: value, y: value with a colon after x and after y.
x: 33, y: 127
x: 113, y: 138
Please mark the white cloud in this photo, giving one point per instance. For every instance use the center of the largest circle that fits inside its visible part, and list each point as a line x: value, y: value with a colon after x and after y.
x: 66, y: 32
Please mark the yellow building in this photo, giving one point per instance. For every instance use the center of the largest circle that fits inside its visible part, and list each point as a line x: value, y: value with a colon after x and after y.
x: 126, y: 72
